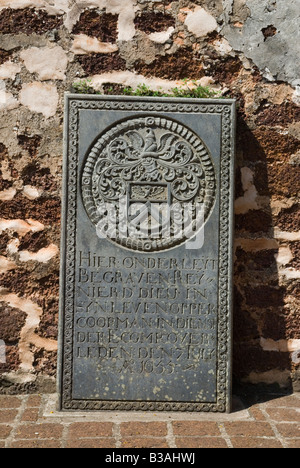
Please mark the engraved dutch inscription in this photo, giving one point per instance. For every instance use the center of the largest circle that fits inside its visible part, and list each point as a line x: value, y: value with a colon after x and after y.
x: 145, y: 311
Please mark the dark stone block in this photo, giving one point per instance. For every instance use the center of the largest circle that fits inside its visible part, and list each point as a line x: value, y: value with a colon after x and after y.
x: 146, y: 265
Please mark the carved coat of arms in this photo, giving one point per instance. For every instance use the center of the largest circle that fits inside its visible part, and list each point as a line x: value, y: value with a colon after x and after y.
x: 145, y: 182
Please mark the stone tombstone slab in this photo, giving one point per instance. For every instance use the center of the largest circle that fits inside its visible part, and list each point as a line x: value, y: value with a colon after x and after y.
x: 146, y: 254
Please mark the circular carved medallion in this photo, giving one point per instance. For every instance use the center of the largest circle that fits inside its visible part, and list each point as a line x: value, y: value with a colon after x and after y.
x: 148, y: 184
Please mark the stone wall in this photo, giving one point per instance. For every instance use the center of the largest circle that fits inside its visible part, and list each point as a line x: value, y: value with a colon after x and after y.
x: 246, y: 49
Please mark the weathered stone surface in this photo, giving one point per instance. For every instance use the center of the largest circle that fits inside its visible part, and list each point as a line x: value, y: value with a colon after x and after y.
x: 102, y: 27
x: 145, y: 314
x: 200, y: 23
x: 27, y: 20
x: 39, y: 97
x: 7, y: 100
x: 178, y: 65
x: 48, y: 63
x: 151, y: 22
x: 8, y: 70
x: 122, y: 79
x: 268, y: 51
x: 4, y: 56
x: 94, y: 64
x: 156, y: 44
x: 85, y: 44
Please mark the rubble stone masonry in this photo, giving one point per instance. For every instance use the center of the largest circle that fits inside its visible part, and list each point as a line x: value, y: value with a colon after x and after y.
x: 248, y: 50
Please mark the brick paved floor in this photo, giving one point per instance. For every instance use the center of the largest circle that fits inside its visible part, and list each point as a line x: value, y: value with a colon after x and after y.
x: 32, y: 421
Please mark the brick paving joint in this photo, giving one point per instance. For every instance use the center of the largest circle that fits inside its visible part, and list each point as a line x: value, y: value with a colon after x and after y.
x: 31, y: 421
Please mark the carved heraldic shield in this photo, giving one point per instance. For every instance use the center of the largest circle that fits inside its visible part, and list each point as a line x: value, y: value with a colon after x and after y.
x: 148, y: 171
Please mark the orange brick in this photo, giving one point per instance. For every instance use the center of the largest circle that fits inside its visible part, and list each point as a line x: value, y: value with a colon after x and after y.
x: 155, y: 429
x: 90, y: 430
x: 144, y: 442
x: 47, y: 443
x: 293, y: 443
x: 7, y: 415
x: 286, y: 401
x: 255, y: 442
x: 39, y: 431
x: 284, y: 414
x: 9, y: 402
x: 249, y: 428
x: 196, y: 428
x: 34, y: 401
x: 256, y: 413
x: 201, y: 442
x: 289, y: 430
x: 5, y: 430
x: 91, y: 443
x: 30, y: 414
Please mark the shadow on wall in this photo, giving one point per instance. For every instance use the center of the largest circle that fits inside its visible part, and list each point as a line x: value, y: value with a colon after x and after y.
x: 262, y: 325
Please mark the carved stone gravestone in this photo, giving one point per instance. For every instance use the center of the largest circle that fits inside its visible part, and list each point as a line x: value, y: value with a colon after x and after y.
x: 146, y: 254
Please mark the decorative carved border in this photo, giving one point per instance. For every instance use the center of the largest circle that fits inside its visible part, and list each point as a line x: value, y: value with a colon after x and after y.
x: 226, y: 109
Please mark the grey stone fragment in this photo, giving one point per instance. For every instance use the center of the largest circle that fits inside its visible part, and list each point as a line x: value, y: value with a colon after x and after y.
x: 269, y: 36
